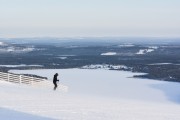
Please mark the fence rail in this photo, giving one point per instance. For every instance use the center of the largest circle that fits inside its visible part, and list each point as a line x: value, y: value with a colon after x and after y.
x: 28, y: 80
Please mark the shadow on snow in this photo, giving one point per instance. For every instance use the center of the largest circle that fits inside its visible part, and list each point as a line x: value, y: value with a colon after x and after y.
x: 7, y: 114
x: 170, y: 89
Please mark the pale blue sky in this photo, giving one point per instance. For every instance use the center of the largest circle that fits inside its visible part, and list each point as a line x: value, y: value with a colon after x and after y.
x: 68, y: 18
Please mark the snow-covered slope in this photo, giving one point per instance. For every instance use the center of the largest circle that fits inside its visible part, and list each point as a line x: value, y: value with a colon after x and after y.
x: 93, y: 95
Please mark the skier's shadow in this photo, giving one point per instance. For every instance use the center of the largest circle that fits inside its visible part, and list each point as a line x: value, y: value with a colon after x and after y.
x: 170, y: 89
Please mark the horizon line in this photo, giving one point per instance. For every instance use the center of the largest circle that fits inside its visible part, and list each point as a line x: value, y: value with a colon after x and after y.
x: 83, y: 37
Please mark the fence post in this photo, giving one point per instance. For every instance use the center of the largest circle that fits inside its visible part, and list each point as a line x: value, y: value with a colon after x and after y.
x: 32, y: 80
x: 8, y: 77
x: 19, y: 79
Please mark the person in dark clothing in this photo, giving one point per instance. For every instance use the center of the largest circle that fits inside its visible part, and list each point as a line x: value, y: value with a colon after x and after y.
x: 55, y: 81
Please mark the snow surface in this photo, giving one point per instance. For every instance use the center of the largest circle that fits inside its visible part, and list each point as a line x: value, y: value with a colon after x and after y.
x: 13, y: 49
x: 161, y: 64
x: 105, y: 66
x: 153, y: 47
x: 1, y: 43
x: 17, y: 50
x: 109, y: 53
x: 66, y: 55
x: 144, y: 51
x: 126, y: 45
x: 62, y: 58
x: 93, y: 95
x: 21, y: 65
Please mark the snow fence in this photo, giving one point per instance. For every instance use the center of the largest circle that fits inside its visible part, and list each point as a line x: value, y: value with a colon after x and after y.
x: 28, y: 80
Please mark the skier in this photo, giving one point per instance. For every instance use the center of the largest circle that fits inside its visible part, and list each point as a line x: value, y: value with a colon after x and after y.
x: 55, y: 81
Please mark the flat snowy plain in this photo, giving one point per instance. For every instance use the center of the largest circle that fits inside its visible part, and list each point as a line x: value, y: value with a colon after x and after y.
x: 92, y: 95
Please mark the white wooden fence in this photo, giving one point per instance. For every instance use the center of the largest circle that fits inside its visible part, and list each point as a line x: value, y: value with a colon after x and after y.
x: 34, y: 81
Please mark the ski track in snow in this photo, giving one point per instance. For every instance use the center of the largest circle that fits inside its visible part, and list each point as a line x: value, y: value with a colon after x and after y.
x: 93, y: 95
